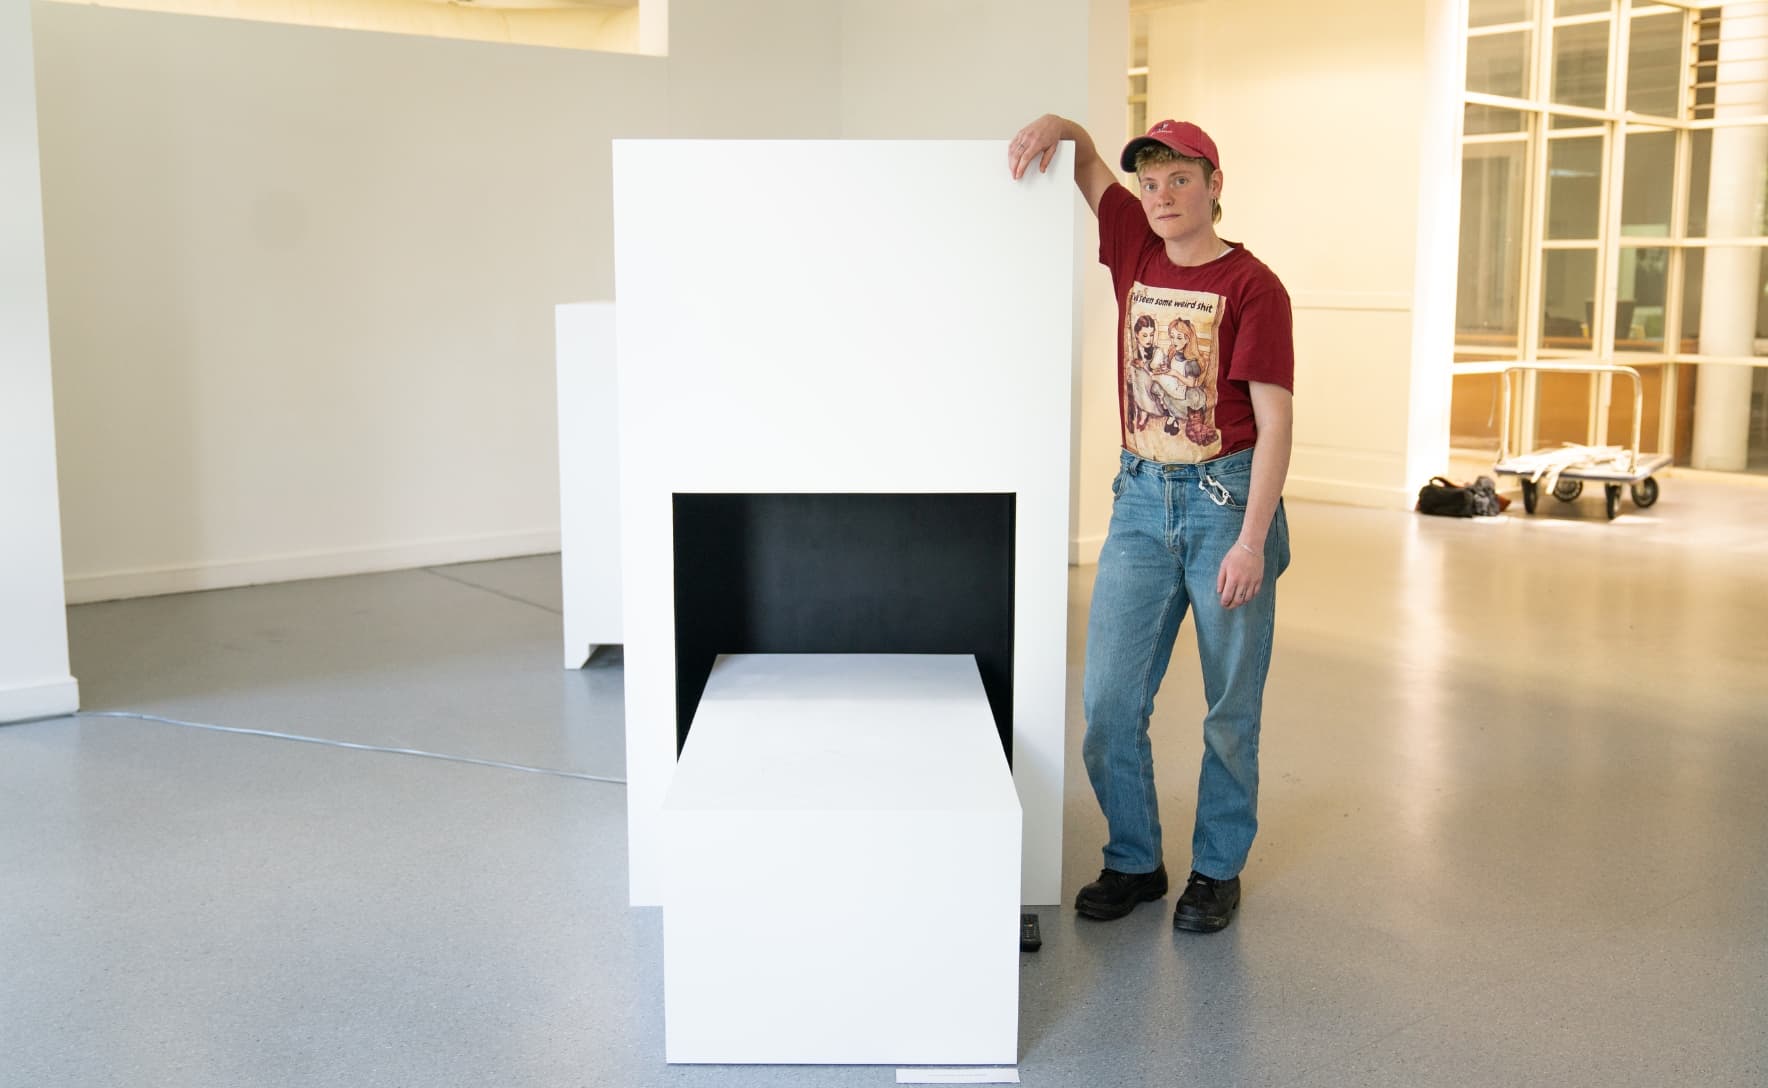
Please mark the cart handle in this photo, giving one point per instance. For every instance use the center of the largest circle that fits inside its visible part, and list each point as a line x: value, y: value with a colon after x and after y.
x: 1506, y: 369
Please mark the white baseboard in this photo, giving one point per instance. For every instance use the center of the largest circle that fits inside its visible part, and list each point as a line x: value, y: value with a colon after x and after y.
x: 1345, y: 493
x: 154, y: 581
x: 50, y: 698
x: 1084, y: 551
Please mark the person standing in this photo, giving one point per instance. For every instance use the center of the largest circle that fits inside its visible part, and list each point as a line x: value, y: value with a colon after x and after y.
x: 1197, y: 521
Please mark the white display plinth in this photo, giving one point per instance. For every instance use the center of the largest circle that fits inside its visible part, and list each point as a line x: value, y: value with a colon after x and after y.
x: 841, y: 874
x: 907, y: 329
x: 589, y: 478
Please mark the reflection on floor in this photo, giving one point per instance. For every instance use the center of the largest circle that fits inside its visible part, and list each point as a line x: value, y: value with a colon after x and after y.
x: 1515, y: 772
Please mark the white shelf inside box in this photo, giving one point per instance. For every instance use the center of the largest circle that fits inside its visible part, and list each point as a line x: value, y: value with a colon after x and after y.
x: 841, y: 856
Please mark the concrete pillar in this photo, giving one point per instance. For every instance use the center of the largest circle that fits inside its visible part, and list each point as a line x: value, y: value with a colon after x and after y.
x: 1734, y: 208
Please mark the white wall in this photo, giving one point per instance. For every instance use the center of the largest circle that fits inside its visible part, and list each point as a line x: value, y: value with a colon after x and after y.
x: 1100, y: 434
x: 302, y: 280
x: 1438, y: 244
x: 1333, y: 201
x: 311, y: 334
x: 750, y: 69
x: 34, y: 679
x: 980, y: 69
x: 975, y: 69
x: 1325, y: 115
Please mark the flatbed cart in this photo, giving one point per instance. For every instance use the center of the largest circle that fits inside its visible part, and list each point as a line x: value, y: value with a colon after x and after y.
x: 1626, y: 466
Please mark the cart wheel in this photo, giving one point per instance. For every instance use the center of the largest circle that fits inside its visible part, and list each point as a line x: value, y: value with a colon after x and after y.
x: 1530, y: 494
x: 1645, y: 492
x: 1567, y: 490
x: 1612, y: 492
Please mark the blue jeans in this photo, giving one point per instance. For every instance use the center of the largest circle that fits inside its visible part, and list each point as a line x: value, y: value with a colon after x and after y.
x: 1171, y: 524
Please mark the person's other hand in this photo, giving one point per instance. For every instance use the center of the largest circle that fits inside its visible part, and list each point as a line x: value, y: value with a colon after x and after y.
x: 1034, y: 141
x: 1240, y: 576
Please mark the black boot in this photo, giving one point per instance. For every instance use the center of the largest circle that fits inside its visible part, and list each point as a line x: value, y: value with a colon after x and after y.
x: 1115, y: 894
x: 1208, y: 904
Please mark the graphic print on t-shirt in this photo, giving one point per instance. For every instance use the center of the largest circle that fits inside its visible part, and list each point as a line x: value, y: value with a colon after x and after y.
x: 1170, y: 374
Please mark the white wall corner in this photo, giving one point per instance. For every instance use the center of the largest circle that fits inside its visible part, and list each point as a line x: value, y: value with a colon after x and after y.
x: 1097, y: 436
x: 1434, y: 280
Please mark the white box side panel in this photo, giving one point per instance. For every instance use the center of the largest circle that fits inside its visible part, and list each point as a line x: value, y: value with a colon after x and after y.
x: 901, y: 321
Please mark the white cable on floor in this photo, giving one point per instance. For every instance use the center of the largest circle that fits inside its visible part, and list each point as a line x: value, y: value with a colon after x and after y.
x: 347, y: 744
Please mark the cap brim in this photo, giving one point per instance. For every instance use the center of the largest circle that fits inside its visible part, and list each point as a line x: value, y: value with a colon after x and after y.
x: 1134, y: 147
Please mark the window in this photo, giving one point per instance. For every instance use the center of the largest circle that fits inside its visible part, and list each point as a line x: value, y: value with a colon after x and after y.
x: 1614, y: 205
x: 1136, y: 119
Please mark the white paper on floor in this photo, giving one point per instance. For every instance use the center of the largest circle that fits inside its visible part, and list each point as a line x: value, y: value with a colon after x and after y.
x: 957, y: 1076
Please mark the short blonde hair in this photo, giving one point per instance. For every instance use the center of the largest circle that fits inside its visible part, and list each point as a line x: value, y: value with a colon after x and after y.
x: 1159, y: 155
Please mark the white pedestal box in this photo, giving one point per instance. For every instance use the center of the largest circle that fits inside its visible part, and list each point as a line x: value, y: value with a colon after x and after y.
x: 841, y: 867
x: 888, y: 344
x: 589, y: 478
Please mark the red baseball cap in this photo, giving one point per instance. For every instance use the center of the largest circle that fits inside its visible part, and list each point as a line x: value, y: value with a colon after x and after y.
x: 1182, y: 136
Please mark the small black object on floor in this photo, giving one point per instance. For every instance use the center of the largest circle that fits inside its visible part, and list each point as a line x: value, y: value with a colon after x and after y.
x: 1029, y: 939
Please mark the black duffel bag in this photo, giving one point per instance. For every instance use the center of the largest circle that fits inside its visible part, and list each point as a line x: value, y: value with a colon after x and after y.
x: 1445, y: 498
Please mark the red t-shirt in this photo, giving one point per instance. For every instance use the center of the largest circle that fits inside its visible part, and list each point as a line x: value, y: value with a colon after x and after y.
x: 1192, y: 338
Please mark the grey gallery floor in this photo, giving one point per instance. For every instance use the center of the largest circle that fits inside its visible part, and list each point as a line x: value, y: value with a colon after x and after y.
x: 1515, y: 832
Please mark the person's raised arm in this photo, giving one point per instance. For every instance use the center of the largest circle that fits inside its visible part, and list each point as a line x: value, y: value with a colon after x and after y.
x: 1037, y: 142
